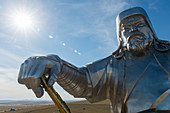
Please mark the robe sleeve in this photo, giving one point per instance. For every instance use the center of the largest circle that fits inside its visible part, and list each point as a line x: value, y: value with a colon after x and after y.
x: 99, y: 73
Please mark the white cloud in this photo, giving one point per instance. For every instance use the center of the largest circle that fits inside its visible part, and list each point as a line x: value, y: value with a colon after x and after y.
x: 152, y: 5
x: 94, y: 20
x: 112, y: 7
x: 106, y: 24
x: 11, y: 56
x: 9, y: 60
x: 9, y: 88
x: 100, y: 17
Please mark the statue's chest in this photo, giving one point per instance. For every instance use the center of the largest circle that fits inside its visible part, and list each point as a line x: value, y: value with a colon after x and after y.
x: 145, y: 81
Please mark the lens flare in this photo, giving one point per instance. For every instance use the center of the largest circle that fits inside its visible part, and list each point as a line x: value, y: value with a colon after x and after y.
x: 50, y: 36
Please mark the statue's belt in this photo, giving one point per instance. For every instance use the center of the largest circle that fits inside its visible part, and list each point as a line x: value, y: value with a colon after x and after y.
x: 159, y: 99
x: 153, y: 109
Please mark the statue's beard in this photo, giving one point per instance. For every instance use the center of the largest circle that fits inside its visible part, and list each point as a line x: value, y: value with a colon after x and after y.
x: 137, y: 42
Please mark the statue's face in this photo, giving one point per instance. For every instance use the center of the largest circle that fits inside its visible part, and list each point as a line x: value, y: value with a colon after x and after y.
x: 135, y: 33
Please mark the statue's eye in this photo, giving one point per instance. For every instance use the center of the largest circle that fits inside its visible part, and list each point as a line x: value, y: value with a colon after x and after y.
x: 139, y: 24
x: 126, y: 28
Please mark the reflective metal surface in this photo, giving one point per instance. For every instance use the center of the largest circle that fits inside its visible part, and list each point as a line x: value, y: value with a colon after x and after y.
x: 134, y: 77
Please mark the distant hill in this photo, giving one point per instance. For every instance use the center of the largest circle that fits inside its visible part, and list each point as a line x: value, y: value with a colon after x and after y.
x: 26, y: 102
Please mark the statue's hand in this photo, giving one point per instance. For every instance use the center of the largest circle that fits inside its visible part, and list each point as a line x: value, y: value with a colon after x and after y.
x: 34, y: 68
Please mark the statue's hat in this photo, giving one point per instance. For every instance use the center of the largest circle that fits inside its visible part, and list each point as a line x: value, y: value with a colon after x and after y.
x: 132, y: 12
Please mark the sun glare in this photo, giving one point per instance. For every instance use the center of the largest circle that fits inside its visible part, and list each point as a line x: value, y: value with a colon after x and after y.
x: 23, y: 21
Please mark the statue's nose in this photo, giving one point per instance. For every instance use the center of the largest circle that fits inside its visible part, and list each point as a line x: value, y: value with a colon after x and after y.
x: 133, y: 28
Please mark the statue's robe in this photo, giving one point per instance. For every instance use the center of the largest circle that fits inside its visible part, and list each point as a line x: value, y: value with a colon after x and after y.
x: 131, y: 83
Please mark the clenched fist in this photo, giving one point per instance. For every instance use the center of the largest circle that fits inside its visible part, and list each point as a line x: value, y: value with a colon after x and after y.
x: 34, y: 68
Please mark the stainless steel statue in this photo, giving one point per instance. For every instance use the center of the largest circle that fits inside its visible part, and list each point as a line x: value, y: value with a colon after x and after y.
x: 136, y: 77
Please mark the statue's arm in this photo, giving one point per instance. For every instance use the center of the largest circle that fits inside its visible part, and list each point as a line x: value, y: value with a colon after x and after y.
x: 80, y: 82
x: 100, y: 73
x: 74, y: 80
x: 84, y: 81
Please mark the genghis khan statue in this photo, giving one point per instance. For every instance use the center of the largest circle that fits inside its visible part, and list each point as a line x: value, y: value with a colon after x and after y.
x: 135, y: 78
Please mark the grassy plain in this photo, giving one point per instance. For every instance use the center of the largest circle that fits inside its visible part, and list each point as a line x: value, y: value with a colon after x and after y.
x: 76, y: 107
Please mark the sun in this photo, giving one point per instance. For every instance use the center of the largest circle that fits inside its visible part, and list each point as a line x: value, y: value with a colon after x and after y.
x: 23, y: 20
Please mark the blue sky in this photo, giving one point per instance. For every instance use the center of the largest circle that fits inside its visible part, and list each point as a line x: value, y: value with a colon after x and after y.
x: 79, y: 31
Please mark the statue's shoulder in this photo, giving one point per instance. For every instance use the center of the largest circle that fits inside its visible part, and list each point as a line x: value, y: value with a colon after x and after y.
x: 166, y: 53
x: 101, y: 61
x: 99, y: 64
x: 164, y: 59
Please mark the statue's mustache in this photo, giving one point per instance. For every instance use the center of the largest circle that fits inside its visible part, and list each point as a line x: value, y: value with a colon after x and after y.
x: 134, y: 35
